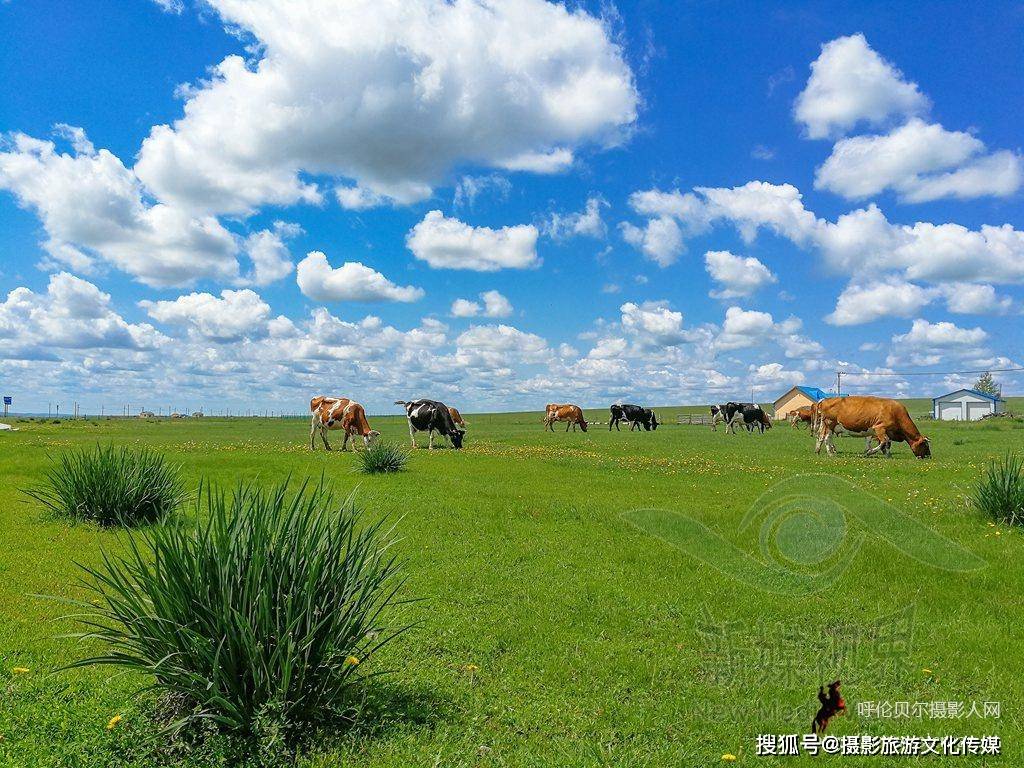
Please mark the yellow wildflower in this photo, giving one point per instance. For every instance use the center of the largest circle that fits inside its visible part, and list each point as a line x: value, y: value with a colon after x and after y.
x: 729, y: 758
x: 351, y: 661
x: 112, y: 723
x: 21, y: 670
x: 471, y: 667
x: 926, y: 671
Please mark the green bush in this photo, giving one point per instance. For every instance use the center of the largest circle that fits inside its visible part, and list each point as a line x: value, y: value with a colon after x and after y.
x: 110, y: 486
x: 259, y: 616
x: 380, y: 457
x: 1000, y: 494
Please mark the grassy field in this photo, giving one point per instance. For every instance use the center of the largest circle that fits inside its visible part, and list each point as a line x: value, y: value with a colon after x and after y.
x: 560, y: 626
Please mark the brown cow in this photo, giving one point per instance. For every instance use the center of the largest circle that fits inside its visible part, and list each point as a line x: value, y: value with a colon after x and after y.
x: 571, y: 414
x: 457, y: 417
x: 802, y: 415
x: 339, y: 413
x: 878, y: 418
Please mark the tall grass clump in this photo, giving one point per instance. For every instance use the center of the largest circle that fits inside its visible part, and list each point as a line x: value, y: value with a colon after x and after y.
x: 381, y: 457
x: 259, y: 616
x: 110, y: 486
x: 1000, y: 494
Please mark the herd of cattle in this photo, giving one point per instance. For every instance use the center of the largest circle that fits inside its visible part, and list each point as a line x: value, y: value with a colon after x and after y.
x: 878, y: 419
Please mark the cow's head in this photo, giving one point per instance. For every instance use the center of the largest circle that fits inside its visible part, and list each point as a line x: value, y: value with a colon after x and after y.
x: 583, y: 424
x: 921, y: 447
x: 456, y: 436
x: 654, y: 420
x: 370, y: 437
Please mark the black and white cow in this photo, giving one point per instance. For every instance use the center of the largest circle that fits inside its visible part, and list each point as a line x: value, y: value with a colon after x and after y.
x: 718, y: 416
x: 636, y: 415
x: 726, y: 413
x: 431, y: 416
x: 750, y: 415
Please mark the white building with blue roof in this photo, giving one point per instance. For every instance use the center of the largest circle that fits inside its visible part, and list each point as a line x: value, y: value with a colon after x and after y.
x: 966, y: 405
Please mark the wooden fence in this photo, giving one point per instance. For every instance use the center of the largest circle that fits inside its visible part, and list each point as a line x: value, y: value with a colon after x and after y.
x: 693, y: 419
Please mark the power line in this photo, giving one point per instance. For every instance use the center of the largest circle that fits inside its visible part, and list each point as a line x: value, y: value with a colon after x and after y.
x: 933, y: 373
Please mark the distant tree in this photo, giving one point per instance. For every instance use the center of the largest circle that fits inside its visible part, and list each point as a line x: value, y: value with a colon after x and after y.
x: 987, y: 385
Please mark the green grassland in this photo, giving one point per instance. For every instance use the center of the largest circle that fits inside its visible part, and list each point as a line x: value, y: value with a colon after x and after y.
x: 554, y: 631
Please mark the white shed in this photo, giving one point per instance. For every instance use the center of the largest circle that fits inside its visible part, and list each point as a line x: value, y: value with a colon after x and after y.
x: 966, y: 405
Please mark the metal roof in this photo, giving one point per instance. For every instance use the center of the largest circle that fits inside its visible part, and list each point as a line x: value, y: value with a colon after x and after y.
x: 993, y: 398
x: 817, y: 394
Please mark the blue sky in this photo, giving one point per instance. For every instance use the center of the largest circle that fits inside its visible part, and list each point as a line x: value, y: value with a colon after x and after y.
x: 656, y: 202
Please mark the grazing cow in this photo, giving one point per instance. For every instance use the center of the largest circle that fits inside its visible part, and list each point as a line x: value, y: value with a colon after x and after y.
x: 754, y: 417
x: 431, y: 416
x: 802, y: 415
x: 338, y: 413
x: 878, y: 418
x: 457, y: 418
x: 571, y: 414
x: 635, y: 415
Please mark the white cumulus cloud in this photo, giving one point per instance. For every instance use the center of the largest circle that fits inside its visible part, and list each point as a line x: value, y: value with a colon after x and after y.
x: 92, y: 206
x: 351, y: 281
x: 447, y: 243
x: 390, y: 94
x: 921, y: 162
x: 737, y: 276
x: 859, y: 304
x: 849, y: 84
x: 72, y: 314
x: 588, y: 222
x: 233, y: 316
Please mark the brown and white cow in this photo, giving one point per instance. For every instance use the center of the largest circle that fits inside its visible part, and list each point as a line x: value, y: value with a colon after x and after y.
x: 457, y: 417
x: 569, y: 413
x: 339, y: 413
x: 802, y: 415
x: 877, y: 418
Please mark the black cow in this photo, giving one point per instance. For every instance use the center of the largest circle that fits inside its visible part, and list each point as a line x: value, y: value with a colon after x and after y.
x: 431, y: 416
x: 636, y: 415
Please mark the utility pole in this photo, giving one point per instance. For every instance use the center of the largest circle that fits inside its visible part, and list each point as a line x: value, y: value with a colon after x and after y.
x: 839, y: 382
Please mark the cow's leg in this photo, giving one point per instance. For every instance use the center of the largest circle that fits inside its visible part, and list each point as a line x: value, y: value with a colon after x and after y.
x: 312, y: 433
x: 344, y: 442
x: 323, y: 436
x: 412, y: 434
x: 883, y: 440
x: 430, y: 439
x: 822, y: 439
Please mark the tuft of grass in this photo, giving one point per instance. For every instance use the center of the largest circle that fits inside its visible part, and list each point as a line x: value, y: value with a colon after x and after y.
x: 1000, y: 494
x: 258, y: 616
x: 382, y: 457
x: 110, y: 486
